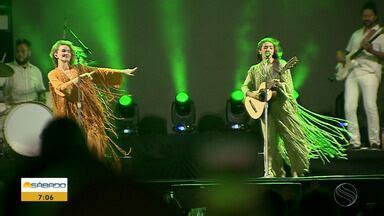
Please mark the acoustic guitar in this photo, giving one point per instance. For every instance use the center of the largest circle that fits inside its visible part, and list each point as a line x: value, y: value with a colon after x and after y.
x: 255, y: 106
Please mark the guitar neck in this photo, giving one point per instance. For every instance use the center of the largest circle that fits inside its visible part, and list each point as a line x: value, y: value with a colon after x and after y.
x: 355, y: 54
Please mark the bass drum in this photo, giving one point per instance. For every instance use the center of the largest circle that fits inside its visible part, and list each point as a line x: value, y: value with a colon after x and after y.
x: 23, y: 126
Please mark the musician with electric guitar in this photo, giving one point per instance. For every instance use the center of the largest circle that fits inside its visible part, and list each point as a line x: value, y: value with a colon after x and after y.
x: 361, y: 69
x: 291, y: 133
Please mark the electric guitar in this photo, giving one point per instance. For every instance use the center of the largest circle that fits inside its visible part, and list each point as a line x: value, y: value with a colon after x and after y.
x: 255, y: 106
x: 343, y: 69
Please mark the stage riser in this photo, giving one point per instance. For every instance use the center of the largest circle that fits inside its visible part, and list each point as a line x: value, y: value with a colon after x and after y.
x: 207, y: 155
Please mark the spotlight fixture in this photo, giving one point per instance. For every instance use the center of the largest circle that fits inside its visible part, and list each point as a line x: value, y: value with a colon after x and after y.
x: 236, y: 116
x: 183, y: 113
x: 127, y: 116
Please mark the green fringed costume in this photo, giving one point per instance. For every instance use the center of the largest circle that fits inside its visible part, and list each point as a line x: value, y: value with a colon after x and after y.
x: 296, y: 134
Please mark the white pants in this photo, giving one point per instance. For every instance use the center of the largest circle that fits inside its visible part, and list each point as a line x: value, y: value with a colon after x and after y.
x: 367, y: 84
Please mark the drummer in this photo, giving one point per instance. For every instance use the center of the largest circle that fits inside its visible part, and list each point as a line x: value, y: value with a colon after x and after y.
x: 26, y: 84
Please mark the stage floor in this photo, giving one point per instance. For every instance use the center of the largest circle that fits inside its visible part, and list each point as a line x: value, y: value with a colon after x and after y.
x: 206, y: 155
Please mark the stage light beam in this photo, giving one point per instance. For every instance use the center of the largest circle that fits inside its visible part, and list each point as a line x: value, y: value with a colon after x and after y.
x: 173, y: 30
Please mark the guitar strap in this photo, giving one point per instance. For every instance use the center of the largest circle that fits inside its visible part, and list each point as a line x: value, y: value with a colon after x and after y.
x: 372, y: 34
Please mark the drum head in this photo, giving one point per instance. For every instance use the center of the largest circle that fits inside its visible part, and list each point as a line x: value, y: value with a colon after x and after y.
x: 23, y: 126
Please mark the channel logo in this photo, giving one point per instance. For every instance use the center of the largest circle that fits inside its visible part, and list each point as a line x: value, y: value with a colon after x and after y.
x: 345, y: 194
x: 27, y: 185
x: 44, y: 189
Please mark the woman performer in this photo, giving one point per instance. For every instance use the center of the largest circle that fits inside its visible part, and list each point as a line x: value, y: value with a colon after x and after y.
x: 95, y: 86
x: 295, y: 134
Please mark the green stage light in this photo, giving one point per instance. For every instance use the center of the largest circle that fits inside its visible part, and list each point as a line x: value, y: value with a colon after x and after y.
x: 245, y: 47
x: 171, y: 14
x: 237, y: 95
x: 182, y: 97
x: 303, y: 70
x: 125, y: 100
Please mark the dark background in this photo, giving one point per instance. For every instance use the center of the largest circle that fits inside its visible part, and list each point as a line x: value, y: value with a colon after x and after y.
x: 219, y: 43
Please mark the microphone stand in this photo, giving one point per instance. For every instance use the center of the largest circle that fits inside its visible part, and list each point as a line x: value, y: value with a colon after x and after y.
x: 85, y: 48
x: 79, y: 67
x: 266, y: 137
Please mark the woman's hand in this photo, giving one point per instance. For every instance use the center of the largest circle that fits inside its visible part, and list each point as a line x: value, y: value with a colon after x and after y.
x: 252, y: 94
x: 277, y: 83
x: 88, y: 75
x: 130, y: 72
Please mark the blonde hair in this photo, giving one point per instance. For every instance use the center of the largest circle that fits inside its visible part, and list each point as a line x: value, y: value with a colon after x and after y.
x: 68, y: 43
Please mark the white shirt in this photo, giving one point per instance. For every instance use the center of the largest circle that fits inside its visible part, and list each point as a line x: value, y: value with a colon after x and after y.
x: 24, y: 84
x: 366, y: 62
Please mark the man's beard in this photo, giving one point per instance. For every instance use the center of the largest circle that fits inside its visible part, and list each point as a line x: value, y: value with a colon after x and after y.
x: 368, y: 23
x: 23, y: 62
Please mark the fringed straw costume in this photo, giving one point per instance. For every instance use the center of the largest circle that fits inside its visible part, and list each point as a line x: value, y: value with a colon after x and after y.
x: 296, y: 134
x: 96, y: 95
